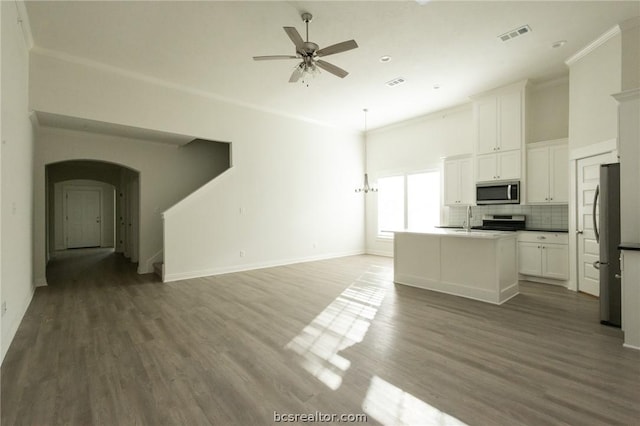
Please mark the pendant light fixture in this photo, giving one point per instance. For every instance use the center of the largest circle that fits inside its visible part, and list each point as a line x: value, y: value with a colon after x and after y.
x: 366, y: 188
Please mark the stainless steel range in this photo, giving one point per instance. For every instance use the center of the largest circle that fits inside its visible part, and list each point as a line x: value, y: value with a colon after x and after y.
x: 503, y: 222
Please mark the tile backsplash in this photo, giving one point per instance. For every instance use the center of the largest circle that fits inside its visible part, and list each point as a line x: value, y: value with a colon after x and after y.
x: 543, y: 217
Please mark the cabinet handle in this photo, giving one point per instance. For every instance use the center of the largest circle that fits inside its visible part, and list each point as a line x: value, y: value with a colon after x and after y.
x: 551, y: 198
x: 542, y: 237
x: 498, y: 177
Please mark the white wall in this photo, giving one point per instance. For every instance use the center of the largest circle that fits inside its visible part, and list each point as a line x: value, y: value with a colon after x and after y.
x: 548, y: 110
x: 17, y: 176
x: 107, y: 204
x: 167, y: 174
x: 287, y: 199
x: 295, y: 179
x: 413, y: 145
x: 593, y: 116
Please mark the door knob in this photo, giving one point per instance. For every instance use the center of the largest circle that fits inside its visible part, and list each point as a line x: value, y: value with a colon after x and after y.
x: 596, y: 264
x: 618, y: 276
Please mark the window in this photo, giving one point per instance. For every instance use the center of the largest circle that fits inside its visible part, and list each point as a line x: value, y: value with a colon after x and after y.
x: 410, y: 201
x: 390, y: 204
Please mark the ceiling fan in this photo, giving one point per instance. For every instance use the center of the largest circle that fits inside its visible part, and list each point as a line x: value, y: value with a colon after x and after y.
x: 309, y: 52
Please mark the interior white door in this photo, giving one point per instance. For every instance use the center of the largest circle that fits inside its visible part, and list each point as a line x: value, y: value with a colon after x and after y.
x: 83, y: 218
x: 588, y: 174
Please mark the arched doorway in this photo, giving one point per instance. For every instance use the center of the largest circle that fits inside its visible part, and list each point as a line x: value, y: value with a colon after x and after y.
x: 92, y: 203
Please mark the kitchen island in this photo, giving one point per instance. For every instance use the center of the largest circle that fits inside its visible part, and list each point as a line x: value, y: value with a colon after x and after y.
x: 481, y: 265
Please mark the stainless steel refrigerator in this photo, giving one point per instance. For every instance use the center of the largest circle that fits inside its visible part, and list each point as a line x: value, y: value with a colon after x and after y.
x: 607, y: 230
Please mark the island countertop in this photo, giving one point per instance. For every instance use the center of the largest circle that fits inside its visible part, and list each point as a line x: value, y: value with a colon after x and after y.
x: 477, y: 264
x: 462, y: 233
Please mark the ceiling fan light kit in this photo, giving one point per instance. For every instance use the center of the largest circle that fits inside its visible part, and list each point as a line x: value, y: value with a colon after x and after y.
x: 310, y: 53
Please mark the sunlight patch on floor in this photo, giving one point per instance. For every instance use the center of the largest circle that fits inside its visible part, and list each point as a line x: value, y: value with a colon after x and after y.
x: 390, y: 405
x: 342, y: 324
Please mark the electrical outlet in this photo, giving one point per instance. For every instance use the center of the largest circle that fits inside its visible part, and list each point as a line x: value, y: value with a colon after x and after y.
x: 4, y: 308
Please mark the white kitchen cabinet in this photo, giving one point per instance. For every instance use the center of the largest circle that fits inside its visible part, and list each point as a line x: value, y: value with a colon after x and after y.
x: 543, y: 254
x: 501, y: 166
x: 548, y: 172
x: 458, y: 182
x: 499, y: 120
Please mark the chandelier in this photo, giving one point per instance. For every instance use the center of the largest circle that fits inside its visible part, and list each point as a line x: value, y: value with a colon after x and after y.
x: 366, y: 188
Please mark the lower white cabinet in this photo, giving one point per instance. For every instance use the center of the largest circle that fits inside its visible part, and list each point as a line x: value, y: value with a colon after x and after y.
x: 543, y: 254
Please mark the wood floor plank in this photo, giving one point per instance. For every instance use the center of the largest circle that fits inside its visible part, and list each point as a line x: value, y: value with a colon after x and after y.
x: 102, y: 345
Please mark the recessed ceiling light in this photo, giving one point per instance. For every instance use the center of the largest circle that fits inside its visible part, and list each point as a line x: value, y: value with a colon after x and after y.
x: 559, y: 43
x: 385, y: 58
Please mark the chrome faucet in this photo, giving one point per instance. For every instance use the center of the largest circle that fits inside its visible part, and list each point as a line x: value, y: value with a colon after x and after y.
x: 467, y: 224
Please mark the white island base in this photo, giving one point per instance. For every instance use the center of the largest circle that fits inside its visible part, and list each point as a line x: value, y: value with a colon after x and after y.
x: 477, y: 265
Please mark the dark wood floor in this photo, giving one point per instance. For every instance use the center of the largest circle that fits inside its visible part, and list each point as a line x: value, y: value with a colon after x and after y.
x: 102, y: 345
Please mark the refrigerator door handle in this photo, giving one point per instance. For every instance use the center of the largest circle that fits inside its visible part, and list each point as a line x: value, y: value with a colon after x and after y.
x: 595, y: 221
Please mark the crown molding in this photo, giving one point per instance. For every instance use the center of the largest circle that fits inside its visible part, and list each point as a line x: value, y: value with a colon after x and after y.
x: 593, y: 45
x: 554, y: 82
x: 110, y: 69
x: 627, y: 95
x: 23, y: 20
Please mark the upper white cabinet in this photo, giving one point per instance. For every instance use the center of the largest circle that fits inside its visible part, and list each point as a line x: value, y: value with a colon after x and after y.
x: 458, y: 181
x: 548, y: 172
x: 499, y: 121
x: 500, y: 166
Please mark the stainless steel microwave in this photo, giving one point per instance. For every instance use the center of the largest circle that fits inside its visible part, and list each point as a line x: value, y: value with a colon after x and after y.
x: 498, y: 193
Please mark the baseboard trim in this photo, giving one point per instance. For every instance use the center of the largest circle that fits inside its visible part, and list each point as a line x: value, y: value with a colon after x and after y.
x: 379, y: 253
x: 168, y: 277
x: 626, y: 345
x: 40, y: 282
x: 7, y: 339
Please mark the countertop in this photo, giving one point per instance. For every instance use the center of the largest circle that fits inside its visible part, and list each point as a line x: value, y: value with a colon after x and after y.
x: 526, y: 229
x: 629, y: 246
x: 461, y: 233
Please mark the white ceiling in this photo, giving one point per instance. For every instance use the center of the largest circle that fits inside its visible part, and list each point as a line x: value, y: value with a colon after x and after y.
x: 208, y: 46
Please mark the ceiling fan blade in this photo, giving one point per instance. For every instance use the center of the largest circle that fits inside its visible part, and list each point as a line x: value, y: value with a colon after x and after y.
x: 337, y: 48
x: 295, y: 37
x: 269, y: 58
x: 295, y: 76
x: 332, y: 68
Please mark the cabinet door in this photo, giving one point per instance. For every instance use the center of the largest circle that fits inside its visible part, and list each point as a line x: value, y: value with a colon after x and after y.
x: 509, y: 165
x: 467, y: 185
x: 486, y: 167
x: 538, y: 175
x: 530, y: 259
x: 451, y: 182
x: 555, y: 261
x: 559, y: 174
x: 486, y: 125
x: 510, y: 118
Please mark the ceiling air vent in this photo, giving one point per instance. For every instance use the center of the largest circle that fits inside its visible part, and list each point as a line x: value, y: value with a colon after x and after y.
x: 395, y: 82
x: 515, y: 33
